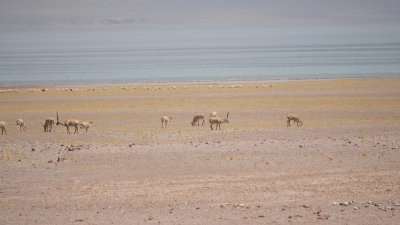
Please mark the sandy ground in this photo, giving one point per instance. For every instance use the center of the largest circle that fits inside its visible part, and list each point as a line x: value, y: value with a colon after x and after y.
x: 341, y: 167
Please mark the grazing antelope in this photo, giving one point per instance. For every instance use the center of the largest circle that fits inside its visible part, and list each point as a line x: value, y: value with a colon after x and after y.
x: 86, y: 125
x: 68, y: 123
x: 165, y: 120
x: 197, y: 119
x: 217, y: 121
x: 295, y: 119
x: 48, y: 124
x: 213, y: 114
x: 3, y: 127
x: 21, y: 124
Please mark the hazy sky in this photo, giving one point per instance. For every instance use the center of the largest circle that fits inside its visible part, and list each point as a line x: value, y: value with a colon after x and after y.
x: 195, y: 13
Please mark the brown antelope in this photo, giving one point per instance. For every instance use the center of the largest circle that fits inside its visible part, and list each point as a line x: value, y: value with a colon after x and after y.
x: 197, y: 119
x: 295, y: 119
x: 86, y: 125
x: 217, y: 121
x: 48, y: 124
x: 3, y: 127
x: 165, y: 120
x: 21, y: 124
x: 68, y: 123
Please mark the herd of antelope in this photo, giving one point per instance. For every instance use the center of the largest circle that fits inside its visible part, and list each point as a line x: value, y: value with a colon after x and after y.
x: 214, y: 119
x: 49, y: 125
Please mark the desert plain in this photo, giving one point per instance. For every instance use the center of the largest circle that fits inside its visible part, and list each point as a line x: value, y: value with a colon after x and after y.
x: 341, y: 167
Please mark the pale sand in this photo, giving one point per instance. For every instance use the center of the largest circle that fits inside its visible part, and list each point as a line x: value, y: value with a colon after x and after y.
x: 128, y: 170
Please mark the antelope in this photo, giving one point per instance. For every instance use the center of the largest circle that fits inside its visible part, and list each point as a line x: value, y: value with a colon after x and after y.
x: 217, y: 121
x: 86, y: 125
x: 197, y: 119
x: 3, y: 127
x: 21, y: 124
x: 213, y: 114
x: 68, y: 123
x: 48, y: 124
x: 295, y: 119
x: 165, y: 120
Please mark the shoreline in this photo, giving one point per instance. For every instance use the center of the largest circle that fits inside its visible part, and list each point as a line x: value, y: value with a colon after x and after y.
x: 112, y: 84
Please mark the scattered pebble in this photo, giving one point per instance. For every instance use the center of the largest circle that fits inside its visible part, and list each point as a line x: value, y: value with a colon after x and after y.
x: 323, y: 217
x: 342, y: 203
x: 345, y: 203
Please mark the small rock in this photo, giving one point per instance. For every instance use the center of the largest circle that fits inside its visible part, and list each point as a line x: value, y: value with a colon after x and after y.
x: 356, y: 208
x: 345, y: 203
x: 336, y: 203
x: 370, y: 202
x: 305, y: 206
x: 323, y: 217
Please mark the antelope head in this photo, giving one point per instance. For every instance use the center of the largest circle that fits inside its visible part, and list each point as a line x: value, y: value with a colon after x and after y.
x: 227, y: 118
x: 300, y: 123
x: 58, y: 120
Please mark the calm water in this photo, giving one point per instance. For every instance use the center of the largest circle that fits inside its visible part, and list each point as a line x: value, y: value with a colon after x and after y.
x: 158, y: 55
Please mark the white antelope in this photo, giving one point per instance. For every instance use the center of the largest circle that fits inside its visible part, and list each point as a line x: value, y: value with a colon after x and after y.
x: 68, y: 123
x: 295, y: 119
x: 197, y: 118
x: 217, y: 121
x: 21, y: 124
x: 3, y: 127
x: 165, y: 120
x: 86, y: 125
x: 48, y: 124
